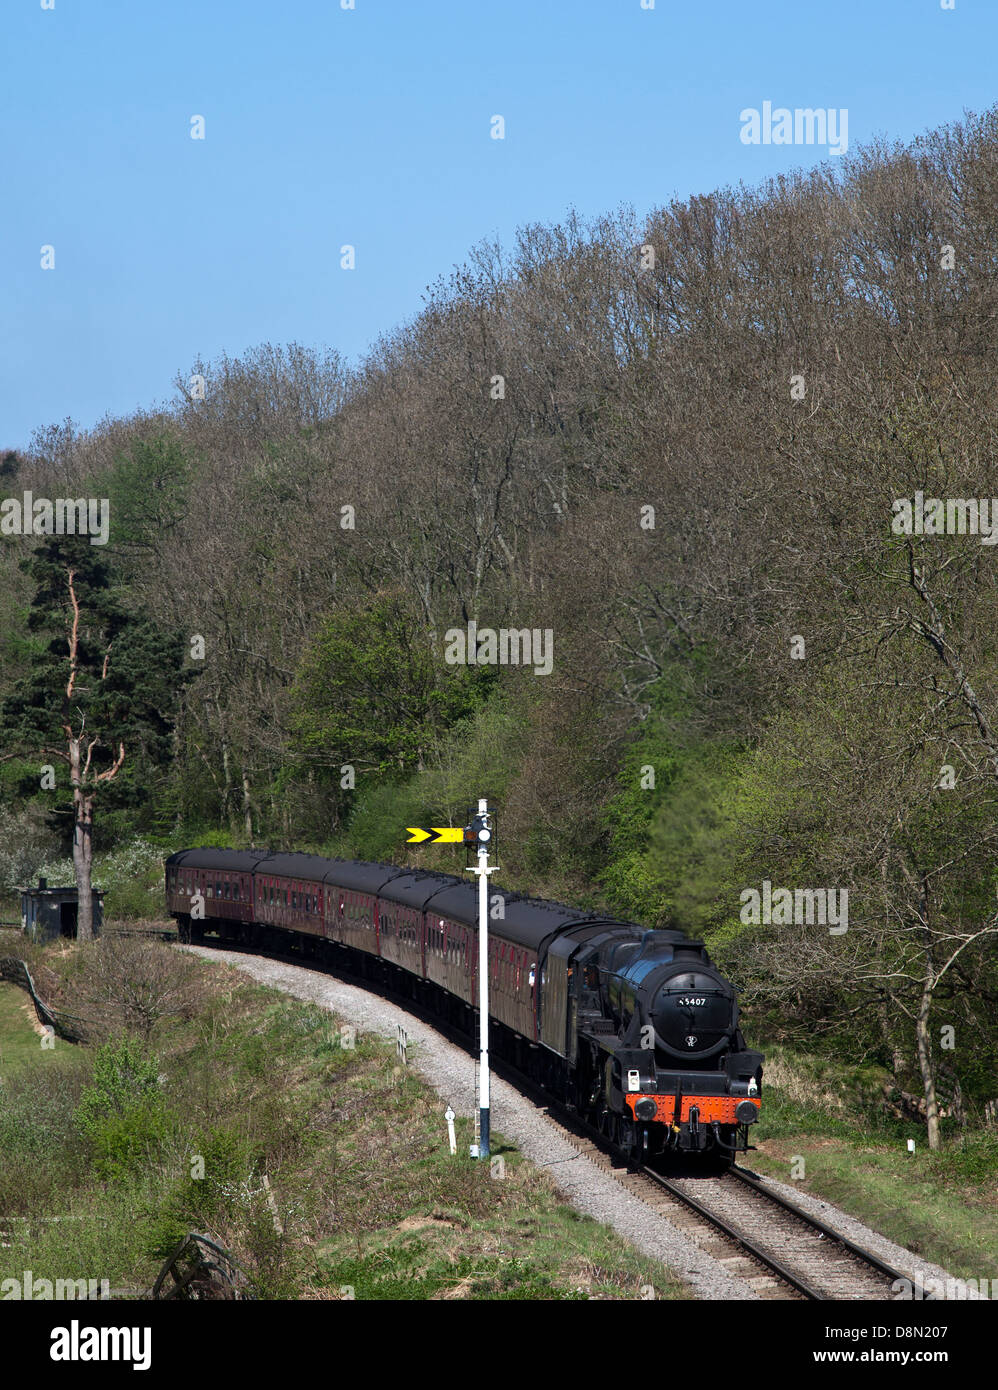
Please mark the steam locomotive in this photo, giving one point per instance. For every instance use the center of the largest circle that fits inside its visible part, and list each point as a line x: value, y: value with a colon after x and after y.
x: 635, y: 1029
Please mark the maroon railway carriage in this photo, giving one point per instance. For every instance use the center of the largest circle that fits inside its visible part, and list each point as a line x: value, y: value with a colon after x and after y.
x: 423, y: 923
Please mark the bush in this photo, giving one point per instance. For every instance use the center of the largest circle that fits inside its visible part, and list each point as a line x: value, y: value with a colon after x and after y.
x: 222, y: 1164
x: 134, y: 985
x: 122, y: 1113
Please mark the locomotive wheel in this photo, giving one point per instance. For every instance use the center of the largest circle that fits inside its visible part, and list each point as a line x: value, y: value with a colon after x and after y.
x: 630, y: 1140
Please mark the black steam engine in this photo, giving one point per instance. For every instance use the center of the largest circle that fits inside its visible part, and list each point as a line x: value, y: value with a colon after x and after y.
x: 658, y: 1028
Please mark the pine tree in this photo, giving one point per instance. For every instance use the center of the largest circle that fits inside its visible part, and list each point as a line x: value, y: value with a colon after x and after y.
x: 101, y: 695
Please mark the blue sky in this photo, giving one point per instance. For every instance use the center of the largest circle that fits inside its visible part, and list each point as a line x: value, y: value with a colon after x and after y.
x: 371, y: 127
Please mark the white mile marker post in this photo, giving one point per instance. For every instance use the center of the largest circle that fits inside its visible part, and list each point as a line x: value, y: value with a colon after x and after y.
x: 482, y: 827
x: 451, y: 1136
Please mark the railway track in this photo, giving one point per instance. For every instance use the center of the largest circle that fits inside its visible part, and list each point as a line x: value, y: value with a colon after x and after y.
x: 781, y: 1251
x: 801, y: 1252
x: 822, y: 1263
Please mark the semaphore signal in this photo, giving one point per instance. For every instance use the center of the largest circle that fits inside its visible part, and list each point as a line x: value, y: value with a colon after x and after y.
x: 478, y: 836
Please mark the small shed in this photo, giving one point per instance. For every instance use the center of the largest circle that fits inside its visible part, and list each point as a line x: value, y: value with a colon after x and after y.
x: 50, y: 913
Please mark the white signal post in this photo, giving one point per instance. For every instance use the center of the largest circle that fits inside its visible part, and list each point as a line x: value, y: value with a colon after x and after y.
x: 483, y: 869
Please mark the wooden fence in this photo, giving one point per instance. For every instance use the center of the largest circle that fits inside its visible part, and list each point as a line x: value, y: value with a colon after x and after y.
x: 68, y: 1026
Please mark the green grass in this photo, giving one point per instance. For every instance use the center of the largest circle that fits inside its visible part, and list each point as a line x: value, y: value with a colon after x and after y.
x: 459, y: 1230
x: 942, y: 1206
x: 361, y: 1191
x: 20, y: 1044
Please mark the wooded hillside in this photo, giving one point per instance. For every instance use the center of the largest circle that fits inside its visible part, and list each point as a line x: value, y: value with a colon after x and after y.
x: 681, y: 444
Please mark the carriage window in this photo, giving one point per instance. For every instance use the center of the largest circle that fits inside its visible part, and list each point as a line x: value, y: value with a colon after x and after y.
x: 226, y: 887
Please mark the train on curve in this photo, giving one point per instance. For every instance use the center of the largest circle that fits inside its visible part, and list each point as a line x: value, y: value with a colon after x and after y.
x: 636, y: 1029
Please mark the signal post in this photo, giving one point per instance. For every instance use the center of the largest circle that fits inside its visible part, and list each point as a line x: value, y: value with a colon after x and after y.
x: 477, y: 836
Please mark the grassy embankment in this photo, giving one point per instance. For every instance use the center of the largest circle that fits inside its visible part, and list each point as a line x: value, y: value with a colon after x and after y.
x: 219, y: 1074
x: 942, y: 1206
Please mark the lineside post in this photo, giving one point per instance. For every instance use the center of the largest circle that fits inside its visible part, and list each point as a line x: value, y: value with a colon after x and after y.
x: 479, y: 833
